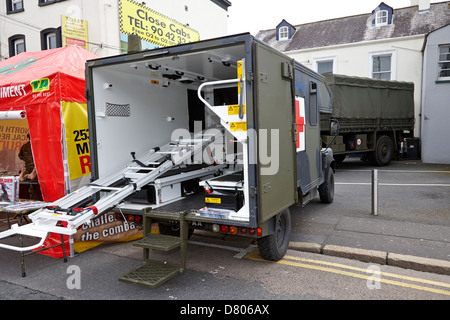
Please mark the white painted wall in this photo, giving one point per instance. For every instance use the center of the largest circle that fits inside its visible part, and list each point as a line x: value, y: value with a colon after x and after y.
x: 436, y: 110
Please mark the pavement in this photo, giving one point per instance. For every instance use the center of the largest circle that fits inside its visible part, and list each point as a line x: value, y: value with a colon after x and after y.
x: 412, y: 226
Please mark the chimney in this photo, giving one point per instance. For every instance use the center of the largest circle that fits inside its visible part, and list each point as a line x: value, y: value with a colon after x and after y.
x: 424, y: 5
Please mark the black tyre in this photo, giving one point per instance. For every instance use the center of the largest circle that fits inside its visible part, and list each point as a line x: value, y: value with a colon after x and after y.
x: 384, y: 151
x: 326, y: 189
x: 339, y: 158
x: 273, y: 247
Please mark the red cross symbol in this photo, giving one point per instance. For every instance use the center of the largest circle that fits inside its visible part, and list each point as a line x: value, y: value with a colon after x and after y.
x: 300, y: 123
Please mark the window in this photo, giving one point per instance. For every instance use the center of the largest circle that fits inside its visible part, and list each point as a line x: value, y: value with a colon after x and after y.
x: 381, y: 18
x: 16, y: 45
x: 382, y: 65
x: 325, y: 65
x: 51, y: 38
x: 283, y: 33
x: 313, y: 103
x: 14, y: 6
x: 17, y: 5
x: 383, y: 15
x: 444, y: 63
x: 19, y: 46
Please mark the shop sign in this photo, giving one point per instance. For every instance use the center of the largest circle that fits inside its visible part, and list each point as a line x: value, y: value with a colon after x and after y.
x: 152, y: 26
x: 74, y: 31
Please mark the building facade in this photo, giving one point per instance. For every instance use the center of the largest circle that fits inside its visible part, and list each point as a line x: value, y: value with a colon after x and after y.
x: 436, y: 97
x: 35, y: 25
x: 384, y: 44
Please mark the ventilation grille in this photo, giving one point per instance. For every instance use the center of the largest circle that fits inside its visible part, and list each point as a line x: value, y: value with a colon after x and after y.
x: 117, y: 110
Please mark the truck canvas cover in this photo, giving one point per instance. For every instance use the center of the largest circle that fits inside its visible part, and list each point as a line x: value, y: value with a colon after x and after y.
x: 387, y: 99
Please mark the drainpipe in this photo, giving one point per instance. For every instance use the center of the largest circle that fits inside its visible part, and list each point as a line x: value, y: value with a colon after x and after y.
x: 422, y: 88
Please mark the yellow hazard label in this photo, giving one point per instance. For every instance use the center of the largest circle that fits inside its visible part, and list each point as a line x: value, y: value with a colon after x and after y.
x: 238, y: 126
x: 213, y: 200
x: 234, y: 110
x: 154, y: 81
x: 239, y: 69
x: 239, y: 74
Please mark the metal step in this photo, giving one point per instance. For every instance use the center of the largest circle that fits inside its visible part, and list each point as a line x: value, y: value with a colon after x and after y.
x: 152, y: 274
x: 158, y: 242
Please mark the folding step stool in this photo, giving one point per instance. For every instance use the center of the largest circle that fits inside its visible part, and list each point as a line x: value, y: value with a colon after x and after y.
x: 154, y: 273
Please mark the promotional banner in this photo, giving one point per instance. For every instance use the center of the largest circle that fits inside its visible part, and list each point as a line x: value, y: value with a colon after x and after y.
x: 13, y: 135
x: 74, y: 31
x: 154, y: 27
x: 105, y: 229
x: 77, y: 138
x: 32, y: 91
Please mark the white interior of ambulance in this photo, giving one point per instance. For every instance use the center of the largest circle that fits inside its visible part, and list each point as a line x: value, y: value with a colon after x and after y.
x: 187, y: 110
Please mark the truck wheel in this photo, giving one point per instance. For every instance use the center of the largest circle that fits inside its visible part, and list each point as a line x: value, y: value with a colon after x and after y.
x: 273, y: 247
x: 326, y: 189
x: 339, y: 158
x: 383, y: 151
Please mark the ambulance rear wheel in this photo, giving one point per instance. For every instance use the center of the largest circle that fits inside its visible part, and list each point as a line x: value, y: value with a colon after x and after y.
x: 274, y: 246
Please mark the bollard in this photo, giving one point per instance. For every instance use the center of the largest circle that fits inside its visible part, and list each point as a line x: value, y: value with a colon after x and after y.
x: 375, y: 192
x: 71, y: 243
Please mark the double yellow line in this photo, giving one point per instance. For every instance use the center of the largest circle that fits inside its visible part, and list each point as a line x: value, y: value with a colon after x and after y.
x: 380, y: 276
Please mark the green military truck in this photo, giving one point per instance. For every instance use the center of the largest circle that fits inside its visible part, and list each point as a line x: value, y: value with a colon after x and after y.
x: 375, y: 117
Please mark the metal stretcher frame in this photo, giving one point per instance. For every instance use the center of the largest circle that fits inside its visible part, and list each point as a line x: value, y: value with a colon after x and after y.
x: 47, y: 220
